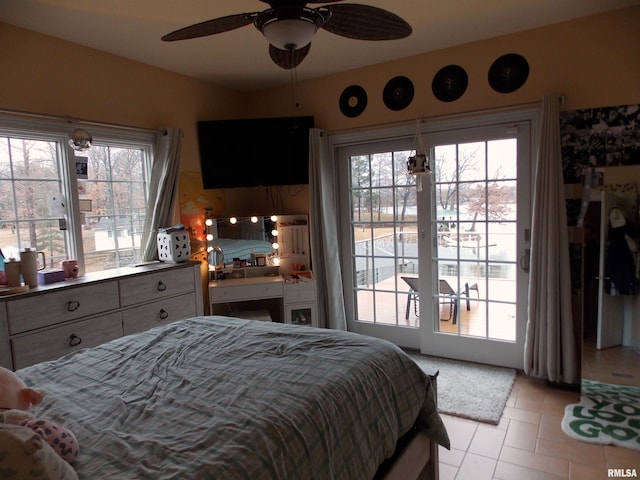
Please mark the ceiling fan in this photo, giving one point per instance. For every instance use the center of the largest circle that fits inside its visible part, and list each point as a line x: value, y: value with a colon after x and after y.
x: 289, y: 26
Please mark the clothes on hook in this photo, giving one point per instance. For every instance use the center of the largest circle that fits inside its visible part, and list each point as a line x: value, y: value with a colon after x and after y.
x: 622, y: 261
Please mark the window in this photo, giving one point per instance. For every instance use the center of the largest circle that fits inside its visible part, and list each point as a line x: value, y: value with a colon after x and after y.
x: 100, y: 194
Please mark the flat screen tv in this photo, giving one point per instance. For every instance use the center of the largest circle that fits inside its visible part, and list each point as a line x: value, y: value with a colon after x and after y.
x: 254, y: 152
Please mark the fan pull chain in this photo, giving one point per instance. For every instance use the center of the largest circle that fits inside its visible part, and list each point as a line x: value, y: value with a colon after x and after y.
x: 294, y: 94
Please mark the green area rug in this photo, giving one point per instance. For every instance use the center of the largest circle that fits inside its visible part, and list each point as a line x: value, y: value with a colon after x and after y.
x: 470, y: 390
x: 606, y: 414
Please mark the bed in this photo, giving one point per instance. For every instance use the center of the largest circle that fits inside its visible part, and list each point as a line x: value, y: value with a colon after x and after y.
x: 227, y: 398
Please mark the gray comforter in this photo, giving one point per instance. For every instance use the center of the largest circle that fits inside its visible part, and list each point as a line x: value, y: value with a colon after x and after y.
x: 225, y: 398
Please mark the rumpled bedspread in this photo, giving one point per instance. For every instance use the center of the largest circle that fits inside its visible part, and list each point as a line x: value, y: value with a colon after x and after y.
x: 226, y: 398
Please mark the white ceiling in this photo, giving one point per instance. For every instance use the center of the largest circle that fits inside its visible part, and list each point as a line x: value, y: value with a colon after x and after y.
x: 239, y: 59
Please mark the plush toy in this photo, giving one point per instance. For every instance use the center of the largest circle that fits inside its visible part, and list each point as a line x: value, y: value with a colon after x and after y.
x: 26, y: 455
x: 15, y: 401
x: 14, y: 394
x: 60, y: 438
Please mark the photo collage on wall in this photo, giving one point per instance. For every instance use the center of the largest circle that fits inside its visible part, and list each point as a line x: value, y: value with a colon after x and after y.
x: 599, y: 137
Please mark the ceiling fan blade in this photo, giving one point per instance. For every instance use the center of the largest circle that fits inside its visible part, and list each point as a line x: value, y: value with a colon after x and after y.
x: 299, y: 3
x: 288, y: 59
x: 364, y: 22
x: 211, y: 27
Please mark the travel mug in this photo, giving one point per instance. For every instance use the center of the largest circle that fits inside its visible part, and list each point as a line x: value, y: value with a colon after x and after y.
x: 29, y: 266
x: 12, y: 270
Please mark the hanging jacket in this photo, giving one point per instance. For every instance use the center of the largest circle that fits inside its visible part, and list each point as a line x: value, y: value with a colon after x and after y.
x: 621, y: 262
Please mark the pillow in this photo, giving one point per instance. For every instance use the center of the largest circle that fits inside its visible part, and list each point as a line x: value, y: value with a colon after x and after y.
x: 24, y: 455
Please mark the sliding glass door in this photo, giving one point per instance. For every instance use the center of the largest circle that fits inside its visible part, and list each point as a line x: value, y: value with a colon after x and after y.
x: 438, y: 262
x: 476, y: 218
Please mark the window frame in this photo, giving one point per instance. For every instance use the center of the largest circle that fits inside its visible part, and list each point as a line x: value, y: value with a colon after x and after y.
x: 34, y: 127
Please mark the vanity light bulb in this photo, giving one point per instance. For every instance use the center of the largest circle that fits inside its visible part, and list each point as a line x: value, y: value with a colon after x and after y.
x: 208, y: 222
x: 233, y: 220
x: 209, y: 237
x: 274, y: 233
x: 274, y: 218
x: 254, y: 219
x: 275, y: 245
x: 275, y: 260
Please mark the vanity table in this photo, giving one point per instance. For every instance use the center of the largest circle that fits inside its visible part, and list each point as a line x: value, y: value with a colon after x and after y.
x: 248, y: 288
x: 296, y: 301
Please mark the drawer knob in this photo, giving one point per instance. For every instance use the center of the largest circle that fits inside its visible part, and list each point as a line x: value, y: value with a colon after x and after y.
x: 163, y: 314
x: 73, y: 305
x: 161, y: 287
x: 74, y: 340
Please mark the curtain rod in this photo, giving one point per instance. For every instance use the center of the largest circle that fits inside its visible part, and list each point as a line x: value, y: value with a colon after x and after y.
x: 60, y: 118
x: 441, y: 116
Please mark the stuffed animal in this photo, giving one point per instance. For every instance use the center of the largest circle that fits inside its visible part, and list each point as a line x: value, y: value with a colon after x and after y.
x: 60, y: 438
x: 13, y: 416
x: 25, y: 455
x: 15, y: 401
x: 14, y: 394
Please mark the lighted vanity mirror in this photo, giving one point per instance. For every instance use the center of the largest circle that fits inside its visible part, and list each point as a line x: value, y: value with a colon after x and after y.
x: 241, y: 238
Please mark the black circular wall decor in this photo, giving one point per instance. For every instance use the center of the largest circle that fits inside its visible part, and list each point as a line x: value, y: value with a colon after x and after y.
x: 398, y: 93
x: 508, y: 73
x: 450, y: 83
x: 353, y: 101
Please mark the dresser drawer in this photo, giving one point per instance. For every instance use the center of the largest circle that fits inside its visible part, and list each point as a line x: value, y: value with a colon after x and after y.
x: 138, y: 319
x: 39, y: 311
x: 299, y: 292
x: 250, y: 291
x: 143, y: 288
x: 55, y: 342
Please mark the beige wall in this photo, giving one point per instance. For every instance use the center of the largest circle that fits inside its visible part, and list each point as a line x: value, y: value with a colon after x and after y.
x: 593, y: 61
x: 46, y: 75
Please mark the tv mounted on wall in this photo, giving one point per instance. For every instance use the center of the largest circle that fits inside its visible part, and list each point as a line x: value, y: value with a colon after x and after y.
x: 254, y: 152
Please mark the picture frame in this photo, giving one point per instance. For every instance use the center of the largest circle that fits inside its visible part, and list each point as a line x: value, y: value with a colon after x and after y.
x: 301, y: 314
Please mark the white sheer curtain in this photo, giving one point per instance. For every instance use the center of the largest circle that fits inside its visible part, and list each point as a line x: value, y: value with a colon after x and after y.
x: 324, y: 232
x: 162, y: 189
x: 550, y: 343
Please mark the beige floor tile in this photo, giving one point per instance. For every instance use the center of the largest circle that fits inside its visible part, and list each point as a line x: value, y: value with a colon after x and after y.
x: 535, y: 461
x: 522, y: 435
x: 487, y: 442
x: 447, y: 472
x: 522, y: 415
x: 570, y: 449
x: 460, y: 431
x: 476, y: 467
x: 586, y: 472
x: 451, y: 457
x: 509, y: 471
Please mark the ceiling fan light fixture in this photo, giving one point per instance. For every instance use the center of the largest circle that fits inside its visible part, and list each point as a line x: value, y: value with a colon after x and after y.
x: 290, y: 28
x: 289, y: 33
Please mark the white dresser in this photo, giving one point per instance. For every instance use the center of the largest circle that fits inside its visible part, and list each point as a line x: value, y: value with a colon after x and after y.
x: 52, y: 320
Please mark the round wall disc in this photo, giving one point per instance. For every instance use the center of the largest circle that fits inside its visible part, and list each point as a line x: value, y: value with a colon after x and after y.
x: 398, y: 93
x: 508, y: 73
x: 450, y: 83
x: 353, y: 101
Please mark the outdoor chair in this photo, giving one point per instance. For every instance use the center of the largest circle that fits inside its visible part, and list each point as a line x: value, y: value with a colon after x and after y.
x: 448, y: 297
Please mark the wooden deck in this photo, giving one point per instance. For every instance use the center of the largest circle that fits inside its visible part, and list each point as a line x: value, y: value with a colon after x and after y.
x: 391, y: 308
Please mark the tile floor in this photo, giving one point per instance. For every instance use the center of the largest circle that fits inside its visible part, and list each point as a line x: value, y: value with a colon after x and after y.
x: 528, y: 443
